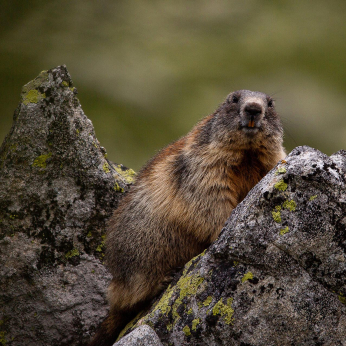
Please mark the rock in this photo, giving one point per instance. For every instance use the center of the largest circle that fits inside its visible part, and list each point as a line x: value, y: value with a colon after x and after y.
x: 277, y: 273
x: 141, y: 336
x: 275, y: 276
x: 57, y: 190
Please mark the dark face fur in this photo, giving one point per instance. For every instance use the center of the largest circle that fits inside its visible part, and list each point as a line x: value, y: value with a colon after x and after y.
x: 248, y: 119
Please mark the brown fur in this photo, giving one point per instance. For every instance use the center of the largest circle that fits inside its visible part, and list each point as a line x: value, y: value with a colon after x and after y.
x: 182, y: 198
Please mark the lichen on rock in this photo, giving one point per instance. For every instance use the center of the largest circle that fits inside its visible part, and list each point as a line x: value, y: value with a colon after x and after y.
x: 56, y: 194
x: 288, y: 285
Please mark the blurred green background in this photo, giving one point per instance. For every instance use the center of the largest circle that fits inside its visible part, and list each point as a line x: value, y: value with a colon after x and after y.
x: 147, y: 71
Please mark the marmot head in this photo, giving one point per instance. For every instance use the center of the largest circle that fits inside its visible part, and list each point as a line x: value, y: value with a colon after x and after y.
x: 248, y: 119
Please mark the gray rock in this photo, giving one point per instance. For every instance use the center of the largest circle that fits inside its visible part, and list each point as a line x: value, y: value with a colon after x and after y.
x: 141, y: 336
x: 57, y: 190
x: 276, y: 274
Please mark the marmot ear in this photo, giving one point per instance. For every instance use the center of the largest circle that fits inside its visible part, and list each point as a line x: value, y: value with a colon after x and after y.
x: 235, y: 98
x: 270, y: 102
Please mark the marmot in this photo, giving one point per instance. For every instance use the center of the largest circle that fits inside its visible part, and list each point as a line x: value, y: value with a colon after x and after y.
x: 181, y: 199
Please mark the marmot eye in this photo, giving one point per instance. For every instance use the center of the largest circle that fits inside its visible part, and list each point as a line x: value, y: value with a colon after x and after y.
x: 270, y: 103
x: 235, y: 99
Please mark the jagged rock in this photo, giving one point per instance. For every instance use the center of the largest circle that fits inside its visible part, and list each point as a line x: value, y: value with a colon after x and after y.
x: 141, y: 336
x: 277, y: 273
x: 57, y: 190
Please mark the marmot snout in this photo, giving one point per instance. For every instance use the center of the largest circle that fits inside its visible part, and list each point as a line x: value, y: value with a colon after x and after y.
x: 182, y: 198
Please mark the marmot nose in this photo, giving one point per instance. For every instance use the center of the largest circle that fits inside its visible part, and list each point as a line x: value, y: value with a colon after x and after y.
x: 253, y: 109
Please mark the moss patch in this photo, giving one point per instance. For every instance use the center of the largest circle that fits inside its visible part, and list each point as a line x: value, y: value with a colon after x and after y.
x: 225, y: 311
x: 40, y: 161
x: 281, y: 185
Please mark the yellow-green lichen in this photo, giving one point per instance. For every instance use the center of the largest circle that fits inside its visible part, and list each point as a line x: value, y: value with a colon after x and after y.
x: 40, y: 161
x: 169, y: 327
x: 33, y: 96
x: 65, y: 84
x: 34, y: 84
x: 3, y: 340
x: 342, y: 298
x: 208, y: 301
x: 189, y: 263
x: 280, y: 170
x: 189, y: 312
x: 162, y: 305
x: 276, y: 213
x: 72, y: 253
x: 77, y: 131
x: 118, y: 188
x: 313, y: 197
x: 281, y: 185
x: 284, y: 230
x: 89, y: 235
x: 105, y: 167
x: 235, y: 263
x: 195, y: 323
x: 290, y: 205
x: 187, y: 330
x: 247, y: 276
x: 100, y: 247
x: 128, y: 175
x: 14, y: 146
x: 225, y: 311
x: 188, y: 286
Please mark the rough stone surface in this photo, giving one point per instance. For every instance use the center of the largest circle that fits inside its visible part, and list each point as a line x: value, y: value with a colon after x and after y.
x: 57, y: 190
x: 141, y: 336
x: 277, y: 273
